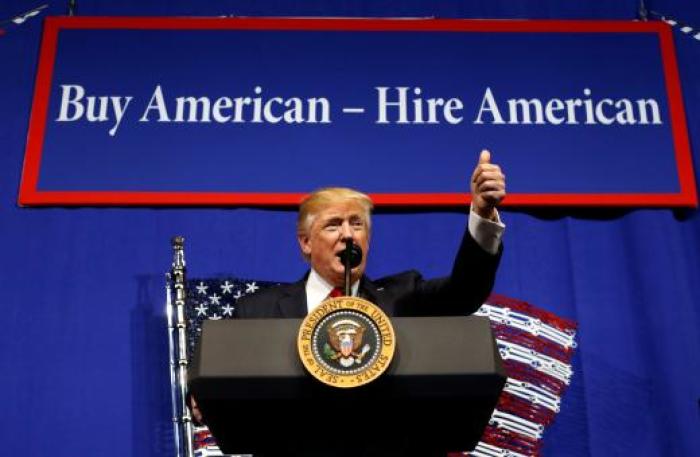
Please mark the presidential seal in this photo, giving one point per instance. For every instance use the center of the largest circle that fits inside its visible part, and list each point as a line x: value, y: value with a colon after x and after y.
x: 346, y: 342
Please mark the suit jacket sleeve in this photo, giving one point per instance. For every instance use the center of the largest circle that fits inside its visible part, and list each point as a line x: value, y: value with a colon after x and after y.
x: 462, y: 292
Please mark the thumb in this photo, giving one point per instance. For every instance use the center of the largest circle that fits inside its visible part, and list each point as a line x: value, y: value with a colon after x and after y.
x: 485, y: 157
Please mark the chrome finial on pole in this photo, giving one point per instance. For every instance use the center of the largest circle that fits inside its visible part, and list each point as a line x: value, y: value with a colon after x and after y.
x: 177, y: 333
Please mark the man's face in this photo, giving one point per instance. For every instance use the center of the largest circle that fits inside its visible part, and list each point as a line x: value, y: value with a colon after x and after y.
x: 324, y: 240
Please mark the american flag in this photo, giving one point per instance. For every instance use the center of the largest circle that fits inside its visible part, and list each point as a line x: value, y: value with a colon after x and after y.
x: 212, y: 299
x: 536, y: 347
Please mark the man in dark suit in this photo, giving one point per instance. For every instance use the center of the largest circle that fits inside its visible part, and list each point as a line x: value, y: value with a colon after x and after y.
x: 330, y: 217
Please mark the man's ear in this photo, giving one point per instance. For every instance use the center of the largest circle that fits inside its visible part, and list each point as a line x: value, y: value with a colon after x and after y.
x: 304, y: 244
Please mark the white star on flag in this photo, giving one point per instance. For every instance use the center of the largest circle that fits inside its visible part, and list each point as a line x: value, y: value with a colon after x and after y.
x: 227, y: 309
x: 214, y: 299
x: 227, y: 288
x: 202, y: 288
x: 201, y: 310
x: 251, y: 287
x: 238, y: 294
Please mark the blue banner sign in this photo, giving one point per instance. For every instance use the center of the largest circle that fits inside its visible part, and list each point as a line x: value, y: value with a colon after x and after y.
x: 164, y: 111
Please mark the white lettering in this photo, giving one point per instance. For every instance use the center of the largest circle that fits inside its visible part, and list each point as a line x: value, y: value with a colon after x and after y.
x: 119, y: 112
x: 488, y: 104
x: 95, y: 109
x: 626, y: 113
x: 643, y: 115
x: 314, y: 104
x: 437, y: 108
x: 221, y: 104
x: 197, y: 108
x: 549, y: 111
x: 600, y: 115
x: 453, y: 104
x: 67, y: 101
x: 572, y: 111
x: 400, y: 104
x: 525, y: 106
x: 157, y: 103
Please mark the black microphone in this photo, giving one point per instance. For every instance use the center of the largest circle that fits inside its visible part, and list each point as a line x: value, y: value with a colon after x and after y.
x: 351, y: 257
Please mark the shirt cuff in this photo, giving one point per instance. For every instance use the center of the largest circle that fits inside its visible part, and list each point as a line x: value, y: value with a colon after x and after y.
x: 485, y: 232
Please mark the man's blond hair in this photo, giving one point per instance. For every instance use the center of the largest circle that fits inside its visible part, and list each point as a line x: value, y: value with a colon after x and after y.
x: 320, y: 199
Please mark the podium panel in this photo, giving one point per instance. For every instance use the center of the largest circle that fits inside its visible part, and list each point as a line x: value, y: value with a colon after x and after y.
x: 437, y: 395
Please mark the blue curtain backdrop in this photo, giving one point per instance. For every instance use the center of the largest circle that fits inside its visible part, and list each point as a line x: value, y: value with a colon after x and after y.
x: 83, y: 351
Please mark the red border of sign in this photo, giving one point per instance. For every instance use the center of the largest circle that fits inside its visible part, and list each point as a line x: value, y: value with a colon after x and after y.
x: 30, y: 195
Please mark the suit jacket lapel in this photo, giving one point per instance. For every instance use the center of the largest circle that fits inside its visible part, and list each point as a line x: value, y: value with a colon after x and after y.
x: 377, y: 295
x: 368, y: 291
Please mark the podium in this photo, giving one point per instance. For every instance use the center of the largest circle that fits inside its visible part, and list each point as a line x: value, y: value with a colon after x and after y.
x: 436, y: 396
